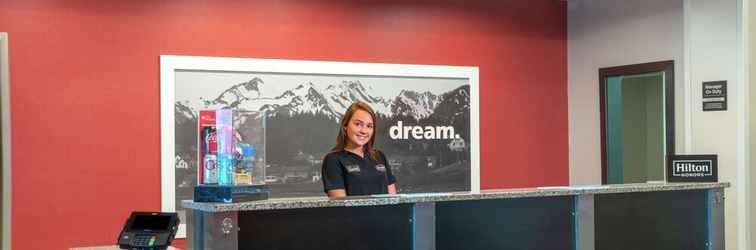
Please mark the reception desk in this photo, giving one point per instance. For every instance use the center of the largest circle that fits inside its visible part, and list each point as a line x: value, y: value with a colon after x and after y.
x: 629, y: 216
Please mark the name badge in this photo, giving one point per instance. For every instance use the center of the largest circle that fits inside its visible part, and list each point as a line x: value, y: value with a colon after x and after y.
x: 353, y: 168
x: 380, y: 167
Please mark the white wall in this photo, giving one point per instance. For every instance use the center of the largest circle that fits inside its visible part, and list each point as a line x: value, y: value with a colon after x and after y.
x: 704, y: 38
x: 606, y: 33
x: 713, y: 52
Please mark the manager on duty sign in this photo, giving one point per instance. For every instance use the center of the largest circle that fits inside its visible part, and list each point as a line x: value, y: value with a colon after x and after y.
x: 692, y: 168
x: 714, y: 96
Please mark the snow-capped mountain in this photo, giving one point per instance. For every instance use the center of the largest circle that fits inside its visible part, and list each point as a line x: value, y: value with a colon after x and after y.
x: 414, y: 104
x: 237, y: 94
x: 307, y: 98
x: 454, y: 105
x: 342, y: 95
x: 184, y: 113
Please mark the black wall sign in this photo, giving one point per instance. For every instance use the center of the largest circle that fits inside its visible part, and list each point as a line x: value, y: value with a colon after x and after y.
x: 714, y: 96
x: 692, y: 168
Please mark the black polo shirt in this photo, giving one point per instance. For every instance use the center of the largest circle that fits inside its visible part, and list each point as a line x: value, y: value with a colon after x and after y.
x: 355, y: 174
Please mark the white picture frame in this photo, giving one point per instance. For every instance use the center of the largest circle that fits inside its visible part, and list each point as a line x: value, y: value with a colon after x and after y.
x: 6, y: 140
x: 170, y: 64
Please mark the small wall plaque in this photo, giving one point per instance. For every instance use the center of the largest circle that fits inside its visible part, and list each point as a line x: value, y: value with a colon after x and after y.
x: 714, y: 96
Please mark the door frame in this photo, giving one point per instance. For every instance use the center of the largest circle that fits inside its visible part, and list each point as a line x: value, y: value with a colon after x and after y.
x: 668, y: 68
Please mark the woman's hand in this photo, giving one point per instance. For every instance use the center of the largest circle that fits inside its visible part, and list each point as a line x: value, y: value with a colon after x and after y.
x: 392, y: 188
x: 337, y: 193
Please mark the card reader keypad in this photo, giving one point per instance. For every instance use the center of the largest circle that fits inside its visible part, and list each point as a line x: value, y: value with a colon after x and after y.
x: 144, y: 240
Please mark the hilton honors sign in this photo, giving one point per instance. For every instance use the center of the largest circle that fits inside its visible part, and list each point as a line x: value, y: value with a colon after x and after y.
x: 692, y: 168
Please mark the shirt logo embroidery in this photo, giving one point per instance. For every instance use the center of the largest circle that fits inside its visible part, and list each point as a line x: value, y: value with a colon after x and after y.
x: 353, y: 168
x: 380, y: 167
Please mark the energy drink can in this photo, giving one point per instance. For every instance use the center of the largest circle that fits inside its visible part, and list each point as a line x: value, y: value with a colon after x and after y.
x: 210, y: 169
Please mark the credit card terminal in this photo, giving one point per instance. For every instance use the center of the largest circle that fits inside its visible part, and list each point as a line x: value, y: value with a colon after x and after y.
x: 148, y: 231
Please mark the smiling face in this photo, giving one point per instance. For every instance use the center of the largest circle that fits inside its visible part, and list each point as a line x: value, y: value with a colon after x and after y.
x: 359, y: 129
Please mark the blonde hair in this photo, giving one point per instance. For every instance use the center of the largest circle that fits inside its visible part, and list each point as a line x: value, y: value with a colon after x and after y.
x: 341, y: 139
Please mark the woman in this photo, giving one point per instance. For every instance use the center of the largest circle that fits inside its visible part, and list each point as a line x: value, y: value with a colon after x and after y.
x: 354, y: 166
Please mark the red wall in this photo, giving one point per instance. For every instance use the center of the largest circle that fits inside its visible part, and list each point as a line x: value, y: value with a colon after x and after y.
x: 85, y: 89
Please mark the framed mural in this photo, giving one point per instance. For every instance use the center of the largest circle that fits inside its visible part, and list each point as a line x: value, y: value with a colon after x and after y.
x: 427, y: 122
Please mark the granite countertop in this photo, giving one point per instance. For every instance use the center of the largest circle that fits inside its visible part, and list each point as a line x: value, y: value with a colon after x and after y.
x: 322, y: 201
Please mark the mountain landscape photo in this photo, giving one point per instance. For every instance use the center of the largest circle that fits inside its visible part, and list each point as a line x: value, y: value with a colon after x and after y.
x: 302, y: 124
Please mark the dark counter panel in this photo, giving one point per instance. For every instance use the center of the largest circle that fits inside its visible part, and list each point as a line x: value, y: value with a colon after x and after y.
x: 334, y: 228
x: 523, y: 223
x: 652, y: 220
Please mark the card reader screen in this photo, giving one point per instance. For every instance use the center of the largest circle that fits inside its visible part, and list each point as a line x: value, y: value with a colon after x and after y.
x: 151, y: 222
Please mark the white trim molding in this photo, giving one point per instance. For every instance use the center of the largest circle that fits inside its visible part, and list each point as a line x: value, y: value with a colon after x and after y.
x: 170, y: 64
x: 5, y: 116
x: 687, y: 83
x: 744, y: 100
x: 741, y: 99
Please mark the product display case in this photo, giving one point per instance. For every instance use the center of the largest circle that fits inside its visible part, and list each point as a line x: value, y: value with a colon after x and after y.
x: 231, y: 154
